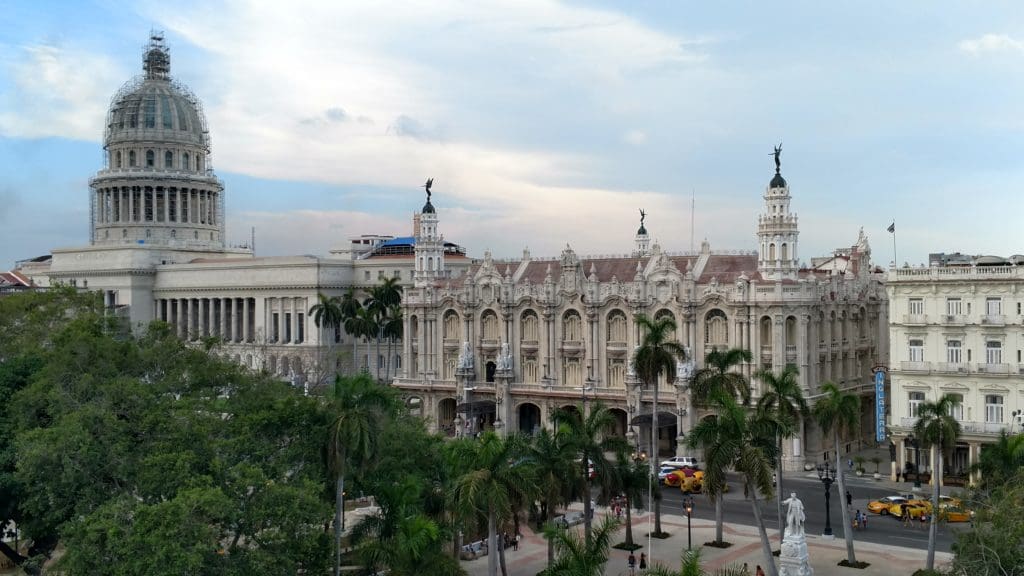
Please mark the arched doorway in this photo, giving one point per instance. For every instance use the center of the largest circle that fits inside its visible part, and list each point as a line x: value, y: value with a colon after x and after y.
x: 446, y: 416
x: 415, y: 406
x: 619, y: 427
x: 491, y: 368
x: 529, y: 418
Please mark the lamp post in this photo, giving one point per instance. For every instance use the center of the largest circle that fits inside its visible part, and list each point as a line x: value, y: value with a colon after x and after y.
x: 470, y: 413
x: 916, y: 445
x: 688, y: 506
x: 827, y: 475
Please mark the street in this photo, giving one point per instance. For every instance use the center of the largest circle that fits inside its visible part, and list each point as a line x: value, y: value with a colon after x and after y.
x: 880, y: 529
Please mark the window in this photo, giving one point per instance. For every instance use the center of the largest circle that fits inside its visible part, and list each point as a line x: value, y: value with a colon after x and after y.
x: 917, y: 350
x: 916, y: 306
x: 956, y: 408
x: 149, y: 233
x: 287, y: 326
x: 150, y: 159
x: 412, y: 274
x: 993, y: 408
x: 397, y: 274
x: 124, y: 233
x: 131, y: 158
x: 174, y: 233
x: 185, y: 164
x: 276, y: 334
x: 149, y: 112
x: 617, y: 327
x: 489, y: 325
x: 117, y: 163
x: 953, y: 352
x: 572, y: 326
x: 914, y: 403
x: 993, y: 306
x: 953, y: 306
x: 165, y: 111
x: 168, y: 159
x: 993, y: 352
x: 366, y: 275
x: 380, y: 274
x: 530, y: 328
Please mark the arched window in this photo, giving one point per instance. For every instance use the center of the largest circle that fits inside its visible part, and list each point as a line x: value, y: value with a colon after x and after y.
x: 766, y: 332
x: 489, y: 325
x: 790, y: 331
x: 131, y: 158
x: 671, y: 335
x: 716, y: 329
x: 785, y: 252
x: 150, y: 159
x: 452, y: 330
x: 117, y: 159
x: 617, y: 326
x: 531, y: 328
x: 572, y: 326
x: 184, y: 161
x: 771, y: 252
x: 168, y: 159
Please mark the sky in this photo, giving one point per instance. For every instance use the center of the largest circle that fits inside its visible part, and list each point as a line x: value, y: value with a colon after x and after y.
x: 543, y: 123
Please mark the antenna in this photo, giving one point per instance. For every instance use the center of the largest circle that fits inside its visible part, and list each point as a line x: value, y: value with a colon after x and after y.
x: 693, y: 207
x: 252, y: 240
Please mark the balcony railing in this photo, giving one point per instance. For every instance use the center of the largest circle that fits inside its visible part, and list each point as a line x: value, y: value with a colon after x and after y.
x: 993, y: 368
x: 915, y: 366
x: 954, y: 319
x: 951, y: 367
x: 993, y: 319
x: 915, y: 318
x: 966, y: 426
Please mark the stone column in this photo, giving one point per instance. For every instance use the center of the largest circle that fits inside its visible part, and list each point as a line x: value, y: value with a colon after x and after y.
x: 131, y: 206
x: 246, y: 332
x: 901, y: 456
x: 203, y: 309
x: 187, y: 303
x: 295, y: 321
x: 503, y: 402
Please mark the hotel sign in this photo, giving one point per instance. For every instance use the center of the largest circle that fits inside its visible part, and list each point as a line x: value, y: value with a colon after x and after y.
x: 880, y: 403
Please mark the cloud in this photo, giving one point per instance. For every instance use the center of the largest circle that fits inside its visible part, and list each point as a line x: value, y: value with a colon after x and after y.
x: 635, y: 137
x: 992, y: 43
x: 56, y: 91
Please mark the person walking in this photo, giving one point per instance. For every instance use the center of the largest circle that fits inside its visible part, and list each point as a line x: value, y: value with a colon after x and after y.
x: 643, y: 561
x: 758, y: 571
x: 515, y: 543
x: 631, y: 562
x: 849, y: 500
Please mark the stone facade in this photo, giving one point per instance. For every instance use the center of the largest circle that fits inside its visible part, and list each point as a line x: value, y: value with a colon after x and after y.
x: 956, y: 330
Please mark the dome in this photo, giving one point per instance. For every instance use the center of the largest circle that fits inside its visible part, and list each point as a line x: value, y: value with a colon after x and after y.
x: 642, y: 231
x: 428, y: 208
x: 778, y: 181
x: 154, y: 107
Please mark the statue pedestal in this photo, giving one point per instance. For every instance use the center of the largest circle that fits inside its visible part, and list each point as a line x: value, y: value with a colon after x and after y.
x: 794, y: 559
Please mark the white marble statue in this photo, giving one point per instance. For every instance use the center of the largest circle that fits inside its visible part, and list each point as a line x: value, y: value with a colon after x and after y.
x: 505, y: 358
x: 466, y: 356
x: 794, y: 516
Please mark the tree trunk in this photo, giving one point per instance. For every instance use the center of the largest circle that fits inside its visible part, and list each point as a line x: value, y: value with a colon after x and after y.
x: 654, y: 458
x: 847, y: 527
x: 719, y: 518
x: 932, y: 530
x: 587, y: 527
x: 778, y: 495
x: 12, y: 554
x: 355, y: 355
x: 339, y: 520
x: 629, y: 521
x: 376, y: 361
x: 766, y: 545
x: 492, y: 544
x: 550, y: 514
x: 387, y: 361
x: 501, y: 554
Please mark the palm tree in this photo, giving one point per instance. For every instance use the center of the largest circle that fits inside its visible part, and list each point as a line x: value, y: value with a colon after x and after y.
x: 689, y: 565
x: 328, y: 316
x: 745, y: 442
x: 937, y: 428
x: 383, y: 297
x: 655, y: 356
x: 782, y: 398
x: 631, y: 479
x: 837, y: 411
x: 552, y: 461
x: 361, y: 325
x: 350, y: 306
x: 998, y: 462
x: 719, y: 374
x: 392, y: 331
x: 719, y: 377
x: 585, y: 556
x: 360, y: 410
x: 586, y: 435
x: 494, y: 475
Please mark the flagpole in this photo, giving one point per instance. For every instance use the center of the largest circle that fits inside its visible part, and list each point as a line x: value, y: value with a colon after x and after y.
x: 895, y: 260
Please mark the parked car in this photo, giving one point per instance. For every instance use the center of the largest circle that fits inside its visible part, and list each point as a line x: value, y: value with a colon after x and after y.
x: 680, y: 475
x: 664, y: 471
x: 680, y: 462
x: 955, y: 514
x: 882, y: 505
x: 915, y: 508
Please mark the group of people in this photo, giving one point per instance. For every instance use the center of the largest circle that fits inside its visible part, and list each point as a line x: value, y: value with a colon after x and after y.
x: 631, y: 562
x: 908, y: 520
x: 510, y: 541
x: 860, y: 520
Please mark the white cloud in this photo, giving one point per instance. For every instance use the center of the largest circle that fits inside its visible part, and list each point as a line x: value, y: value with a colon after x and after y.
x: 635, y: 137
x: 56, y: 91
x: 991, y: 43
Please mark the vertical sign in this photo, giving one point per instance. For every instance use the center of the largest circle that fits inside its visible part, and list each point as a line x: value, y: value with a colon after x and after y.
x: 880, y: 404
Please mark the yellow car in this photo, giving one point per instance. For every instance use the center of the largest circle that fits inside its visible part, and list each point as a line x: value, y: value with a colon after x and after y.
x: 949, y: 502
x: 914, y: 507
x: 955, y: 514
x: 882, y: 505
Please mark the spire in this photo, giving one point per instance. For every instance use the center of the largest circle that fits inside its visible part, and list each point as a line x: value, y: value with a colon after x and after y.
x: 777, y: 230
x: 156, y: 61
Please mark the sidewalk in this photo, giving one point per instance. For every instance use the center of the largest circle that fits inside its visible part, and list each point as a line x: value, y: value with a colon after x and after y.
x: 885, y: 560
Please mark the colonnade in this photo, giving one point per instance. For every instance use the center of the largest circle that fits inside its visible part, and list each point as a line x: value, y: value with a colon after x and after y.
x: 231, y: 319
x: 128, y: 204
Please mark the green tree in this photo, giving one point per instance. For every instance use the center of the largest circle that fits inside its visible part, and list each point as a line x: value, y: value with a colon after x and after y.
x: 552, y: 461
x: 936, y: 428
x: 361, y: 409
x: 994, y: 544
x: 586, y: 433
x: 383, y: 298
x: 494, y: 475
x: 1000, y: 460
x: 783, y: 399
x: 362, y: 325
x: 632, y: 480
x: 689, y: 565
x: 328, y: 317
x: 392, y: 331
x: 656, y: 355
x: 837, y: 411
x: 719, y: 376
x: 744, y: 441
x: 585, y: 556
x: 350, y: 306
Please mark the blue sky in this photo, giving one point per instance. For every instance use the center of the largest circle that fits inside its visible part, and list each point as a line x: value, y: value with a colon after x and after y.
x: 543, y: 123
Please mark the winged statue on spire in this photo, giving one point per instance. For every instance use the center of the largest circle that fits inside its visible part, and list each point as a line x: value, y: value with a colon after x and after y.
x: 430, y: 182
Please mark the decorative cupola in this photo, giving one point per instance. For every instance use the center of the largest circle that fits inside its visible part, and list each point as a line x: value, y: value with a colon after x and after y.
x: 642, y: 242
x: 429, y: 245
x: 777, y: 230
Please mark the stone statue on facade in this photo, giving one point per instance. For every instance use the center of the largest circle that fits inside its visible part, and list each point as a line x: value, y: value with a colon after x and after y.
x: 505, y: 358
x: 466, y: 356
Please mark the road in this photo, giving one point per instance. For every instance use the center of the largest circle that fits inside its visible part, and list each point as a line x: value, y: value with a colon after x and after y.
x: 881, y: 529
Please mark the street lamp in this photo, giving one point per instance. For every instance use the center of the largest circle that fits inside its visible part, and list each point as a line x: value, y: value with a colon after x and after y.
x: 916, y: 445
x: 688, y: 506
x: 827, y: 475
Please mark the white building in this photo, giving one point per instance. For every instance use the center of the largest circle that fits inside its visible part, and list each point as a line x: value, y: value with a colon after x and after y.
x: 956, y: 329
x: 157, y: 245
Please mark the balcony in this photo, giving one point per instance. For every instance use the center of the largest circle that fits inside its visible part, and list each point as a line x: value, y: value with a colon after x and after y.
x: 616, y: 349
x: 572, y: 347
x: 790, y: 353
x: 915, y: 366
x: 489, y: 344
x: 993, y: 368
x: 954, y: 319
x: 966, y: 427
x: 951, y: 367
x: 915, y: 319
x: 529, y: 345
x: 451, y: 343
x: 993, y: 320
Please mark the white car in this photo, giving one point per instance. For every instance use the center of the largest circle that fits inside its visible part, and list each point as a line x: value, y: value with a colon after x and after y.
x: 680, y: 462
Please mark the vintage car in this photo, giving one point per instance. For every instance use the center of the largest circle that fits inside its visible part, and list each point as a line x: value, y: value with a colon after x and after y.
x: 915, y: 507
x: 955, y: 514
x: 679, y: 476
x: 882, y: 505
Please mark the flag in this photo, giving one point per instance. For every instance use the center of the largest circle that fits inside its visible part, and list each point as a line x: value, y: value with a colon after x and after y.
x: 892, y: 228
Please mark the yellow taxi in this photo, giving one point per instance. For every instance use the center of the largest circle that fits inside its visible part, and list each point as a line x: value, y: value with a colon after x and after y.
x: 882, y: 505
x: 955, y: 514
x: 915, y: 508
